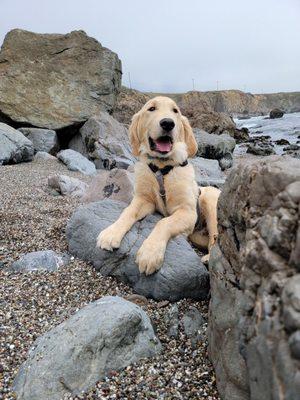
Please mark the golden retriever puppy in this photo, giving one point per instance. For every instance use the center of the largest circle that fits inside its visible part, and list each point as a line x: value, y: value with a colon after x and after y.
x: 162, y: 139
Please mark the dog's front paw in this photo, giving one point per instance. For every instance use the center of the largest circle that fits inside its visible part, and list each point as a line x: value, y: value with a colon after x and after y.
x: 150, y: 256
x: 109, y: 239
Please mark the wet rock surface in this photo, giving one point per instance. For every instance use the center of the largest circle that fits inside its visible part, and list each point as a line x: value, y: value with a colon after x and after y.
x: 254, y: 272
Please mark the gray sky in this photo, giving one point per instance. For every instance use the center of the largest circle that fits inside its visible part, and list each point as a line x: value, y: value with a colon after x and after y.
x: 165, y: 44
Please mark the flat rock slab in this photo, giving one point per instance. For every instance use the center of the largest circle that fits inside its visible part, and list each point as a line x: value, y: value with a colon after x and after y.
x: 45, y: 260
x: 182, y: 274
x: 108, y: 334
x: 76, y: 162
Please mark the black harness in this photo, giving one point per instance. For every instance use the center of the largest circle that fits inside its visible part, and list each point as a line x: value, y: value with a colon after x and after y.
x: 160, y: 173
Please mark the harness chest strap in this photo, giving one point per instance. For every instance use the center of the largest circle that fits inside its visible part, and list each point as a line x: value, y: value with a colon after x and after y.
x: 159, y: 175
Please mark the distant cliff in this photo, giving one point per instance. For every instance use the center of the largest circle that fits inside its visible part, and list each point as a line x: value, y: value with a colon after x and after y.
x: 233, y: 102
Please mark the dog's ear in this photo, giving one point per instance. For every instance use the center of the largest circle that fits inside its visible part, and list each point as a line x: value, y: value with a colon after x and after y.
x: 133, y: 135
x: 189, y: 137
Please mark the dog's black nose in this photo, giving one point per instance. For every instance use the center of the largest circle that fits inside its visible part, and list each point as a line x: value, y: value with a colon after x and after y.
x: 167, y: 124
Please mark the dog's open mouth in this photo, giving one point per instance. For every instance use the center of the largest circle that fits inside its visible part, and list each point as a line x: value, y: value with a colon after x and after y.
x: 162, y: 145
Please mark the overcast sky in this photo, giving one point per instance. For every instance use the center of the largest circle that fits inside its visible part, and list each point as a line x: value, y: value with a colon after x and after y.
x: 166, y: 44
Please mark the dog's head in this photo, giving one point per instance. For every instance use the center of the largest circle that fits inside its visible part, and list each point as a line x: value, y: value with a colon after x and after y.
x: 160, y: 131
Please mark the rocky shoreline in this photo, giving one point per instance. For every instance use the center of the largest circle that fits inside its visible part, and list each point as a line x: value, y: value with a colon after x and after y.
x: 85, y: 319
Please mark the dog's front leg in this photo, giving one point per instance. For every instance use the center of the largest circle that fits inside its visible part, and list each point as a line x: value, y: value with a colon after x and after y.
x: 111, y: 237
x: 151, y: 254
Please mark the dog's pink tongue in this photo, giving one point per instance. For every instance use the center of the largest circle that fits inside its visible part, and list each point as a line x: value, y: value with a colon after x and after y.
x: 163, y: 146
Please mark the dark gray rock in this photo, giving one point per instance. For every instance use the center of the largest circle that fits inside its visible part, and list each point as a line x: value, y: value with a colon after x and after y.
x: 108, y: 334
x: 14, y: 146
x: 45, y: 260
x: 54, y: 81
x: 172, y: 321
x: 76, y: 162
x: 254, y: 270
x: 42, y: 139
x: 276, y: 113
x: 192, y: 322
x: 294, y: 342
x: 105, y: 141
x: 226, y: 162
x: 67, y: 186
x: 182, y: 274
x: 261, y: 149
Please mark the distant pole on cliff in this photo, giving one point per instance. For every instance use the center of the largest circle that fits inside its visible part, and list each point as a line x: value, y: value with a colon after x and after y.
x: 193, y: 80
x: 129, y: 79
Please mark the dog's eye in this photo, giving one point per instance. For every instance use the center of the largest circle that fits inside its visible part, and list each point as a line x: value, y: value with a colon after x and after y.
x: 175, y: 110
x: 151, y: 108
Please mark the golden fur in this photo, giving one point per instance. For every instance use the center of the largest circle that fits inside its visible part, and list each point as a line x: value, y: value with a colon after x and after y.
x: 182, y: 192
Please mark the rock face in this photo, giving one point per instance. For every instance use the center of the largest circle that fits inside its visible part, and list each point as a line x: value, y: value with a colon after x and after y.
x: 108, y: 334
x: 117, y: 184
x: 67, y: 186
x: 54, y: 81
x: 14, y: 146
x: 76, y: 162
x: 105, y: 141
x: 42, y: 139
x: 276, y: 113
x: 182, y: 274
x: 45, y: 260
x: 254, y: 270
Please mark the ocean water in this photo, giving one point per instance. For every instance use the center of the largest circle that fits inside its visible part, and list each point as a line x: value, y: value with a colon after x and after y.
x: 287, y: 127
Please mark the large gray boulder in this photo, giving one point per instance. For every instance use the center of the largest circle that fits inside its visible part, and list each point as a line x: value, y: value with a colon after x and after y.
x: 44, y: 260
x: 182, y: 274
x: 254, y: 316
x: 14, y: 146
x: 53, y: 80
x: 42, y: 139
x: 117, y: 184
x: 105, y: 141
x: 108, y: 334
x: 76, y: 162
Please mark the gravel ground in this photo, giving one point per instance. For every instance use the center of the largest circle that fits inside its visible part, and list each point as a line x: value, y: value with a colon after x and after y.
x: 31, y: 304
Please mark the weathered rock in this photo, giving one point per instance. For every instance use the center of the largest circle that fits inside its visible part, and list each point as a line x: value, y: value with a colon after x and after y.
x: 108, y: 334
x: 105, y: 141
x: 117, y: 184
x: 241, y: 135
x: 76, y: 162
x: 14, y: 146
x: 226, y: 162
x: 213, y: 146
x: 208, y: 172
x: 211, y: 121
x: 282, y: 142
x: 182, y: 274
x: 254, y: 271
x: 42, y: 139
x: 276, y: 113
x: 45, y: 260
x: 43, y: 156
x: 172, y: 321
x: 54, y: 81
x: 193, y: 325
x: 261, y: 149
x: 67, y: 186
